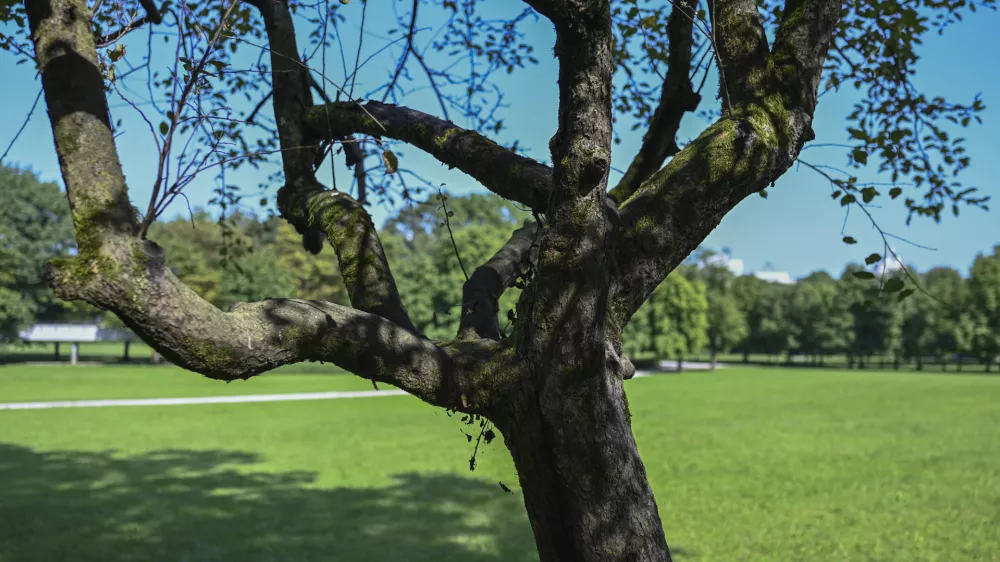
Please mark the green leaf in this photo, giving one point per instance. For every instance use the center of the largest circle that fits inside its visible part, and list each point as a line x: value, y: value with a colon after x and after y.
x: 860, y: 156
x: 763, y: 193
x: 164, y: 128
x: 864, y: 275
x: 847, y: 200
x: 895, y: 192
x: 850, y: 240
x: 867, y: 194
x: 873, y: 259
x: 903, y: 294
x: 893, y: 285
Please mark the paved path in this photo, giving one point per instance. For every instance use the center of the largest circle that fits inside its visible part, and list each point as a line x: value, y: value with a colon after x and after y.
x: 256, y: 397
x: 198, y: 400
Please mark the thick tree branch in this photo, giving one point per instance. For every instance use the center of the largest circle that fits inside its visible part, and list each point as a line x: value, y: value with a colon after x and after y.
x: 481, y: 293
x: 352, y: 234
x: 303, y: 201
x: 677, y: 207
x: 503, y: 172
x: 742, y: 50
x: 116, y: 271
x: 78, y: 112
x: 130, y: 278
x: 676, y: 98
x: 801, y: 45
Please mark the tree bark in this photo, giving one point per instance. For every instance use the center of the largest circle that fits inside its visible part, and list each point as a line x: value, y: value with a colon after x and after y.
x: 585, y: 488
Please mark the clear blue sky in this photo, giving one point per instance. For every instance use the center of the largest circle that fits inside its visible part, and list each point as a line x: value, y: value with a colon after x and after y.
x: 797, y: 228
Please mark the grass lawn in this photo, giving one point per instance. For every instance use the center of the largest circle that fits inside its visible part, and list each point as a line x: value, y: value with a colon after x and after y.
x: 747, y: 464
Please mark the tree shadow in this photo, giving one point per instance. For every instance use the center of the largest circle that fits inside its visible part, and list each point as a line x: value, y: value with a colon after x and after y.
x: 213, y: 505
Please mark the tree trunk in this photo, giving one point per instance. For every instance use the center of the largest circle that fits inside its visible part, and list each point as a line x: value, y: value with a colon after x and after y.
x: 680, y: 364
x: 920, y: 363
x: 585, y: 487
x: 714, y: 358
x: 959, y: 364
x: 895, y: 362
x: 57, y: 351
x: 746, y: 356
x: 126, y: 356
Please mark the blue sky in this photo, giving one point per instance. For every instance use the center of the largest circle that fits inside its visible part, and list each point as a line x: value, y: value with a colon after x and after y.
x: 796, y: 229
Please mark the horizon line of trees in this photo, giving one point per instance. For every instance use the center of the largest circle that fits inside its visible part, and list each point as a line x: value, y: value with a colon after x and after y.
x: 702, y: 307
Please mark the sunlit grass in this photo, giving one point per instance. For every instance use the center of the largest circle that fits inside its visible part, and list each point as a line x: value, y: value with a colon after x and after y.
x: 747, y: 464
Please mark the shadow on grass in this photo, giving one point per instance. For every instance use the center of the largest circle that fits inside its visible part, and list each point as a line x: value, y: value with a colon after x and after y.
x: 211, y: 505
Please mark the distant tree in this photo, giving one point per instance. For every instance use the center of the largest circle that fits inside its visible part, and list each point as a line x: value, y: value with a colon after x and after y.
x: 951, y: 322
x: 672, y: 323
x: 746, y: 291
x: 767, y: 320
x: 877, y: 318
x: 834, y: 323
x: 984, y: 297
x: 313, y: 277
x: 804, y: 316
x: 35, y: 226
x: 726, y: 322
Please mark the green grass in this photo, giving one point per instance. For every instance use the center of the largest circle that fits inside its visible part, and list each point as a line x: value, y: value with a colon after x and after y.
x: 747, y: 465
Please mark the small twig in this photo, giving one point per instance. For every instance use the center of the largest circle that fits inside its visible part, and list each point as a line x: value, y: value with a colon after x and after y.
x: 172, y: 127
x: 23, y: 126
x: 451, y: 235
x: 885, y: 241
x: 361, y: 38
x: 113, y: 37
x: 258, y: 107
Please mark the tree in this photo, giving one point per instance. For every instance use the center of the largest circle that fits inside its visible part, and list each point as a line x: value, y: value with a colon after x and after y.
x: 877, y: 318
x: 34, y: 227
x: 684, y: 306
x: 832, y: 331
x: 984, y: 289
x: 746, y: 291
x: 949, y: 319
x: 554, y: 386
x: 769, y: 330
x: 671, y: 323
x: 726, y: 322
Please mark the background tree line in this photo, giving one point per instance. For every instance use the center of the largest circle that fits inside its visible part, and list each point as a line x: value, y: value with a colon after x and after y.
x: 702, y: 308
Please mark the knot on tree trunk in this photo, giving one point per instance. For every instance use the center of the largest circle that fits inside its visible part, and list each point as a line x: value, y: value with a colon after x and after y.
x: 617, y: 365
